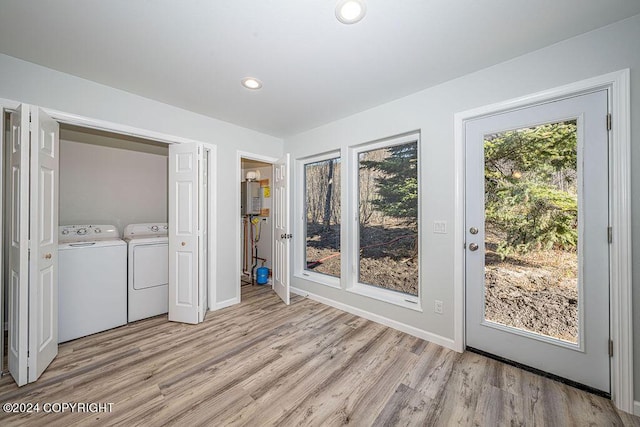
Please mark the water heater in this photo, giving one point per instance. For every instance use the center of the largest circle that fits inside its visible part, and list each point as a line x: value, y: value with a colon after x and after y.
x: 250, y: 203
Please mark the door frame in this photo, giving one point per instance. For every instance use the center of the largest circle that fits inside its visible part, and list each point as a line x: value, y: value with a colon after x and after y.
x: 238, y: 268
x: 620, y: 285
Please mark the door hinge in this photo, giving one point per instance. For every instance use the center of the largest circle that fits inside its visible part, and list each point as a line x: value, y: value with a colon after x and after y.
x: 609, y: 121
x: 610, y: 348
x: 610, y: 234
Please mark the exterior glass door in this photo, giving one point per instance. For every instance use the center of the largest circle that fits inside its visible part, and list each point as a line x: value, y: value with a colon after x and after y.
x: 537, y: 260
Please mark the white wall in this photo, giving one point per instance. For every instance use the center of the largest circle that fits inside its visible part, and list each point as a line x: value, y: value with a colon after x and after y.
x: 107, y: 185
x: 432, y: 112
x: 29, y: 83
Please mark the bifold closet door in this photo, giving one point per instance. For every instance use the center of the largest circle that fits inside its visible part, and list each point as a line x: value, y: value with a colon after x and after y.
x: 33, y: 291
x: 184, y: 234
x: 18, y: 344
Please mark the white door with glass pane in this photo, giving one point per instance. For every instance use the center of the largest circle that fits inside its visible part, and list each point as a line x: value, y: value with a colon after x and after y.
x: 537, y: 250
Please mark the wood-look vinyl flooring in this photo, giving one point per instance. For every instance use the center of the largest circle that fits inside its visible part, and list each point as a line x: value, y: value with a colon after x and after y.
x: 263, y: 363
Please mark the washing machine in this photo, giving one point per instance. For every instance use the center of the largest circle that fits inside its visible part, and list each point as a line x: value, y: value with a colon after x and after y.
x: 148, y: 265
x: 92, y: 280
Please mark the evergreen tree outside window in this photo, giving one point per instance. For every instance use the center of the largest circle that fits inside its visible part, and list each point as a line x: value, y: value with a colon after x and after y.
x: 388, y: 218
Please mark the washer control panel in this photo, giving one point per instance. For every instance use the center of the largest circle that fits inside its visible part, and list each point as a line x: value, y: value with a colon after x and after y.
x: 76, y: 233
x: 154, y: 229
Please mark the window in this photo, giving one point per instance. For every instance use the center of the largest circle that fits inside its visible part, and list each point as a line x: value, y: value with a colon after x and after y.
x: 387, y: 218
x: 371, y: 249
x: 322, y: 214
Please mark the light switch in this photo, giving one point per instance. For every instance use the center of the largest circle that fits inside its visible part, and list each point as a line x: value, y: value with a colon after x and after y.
x: 440, y: 227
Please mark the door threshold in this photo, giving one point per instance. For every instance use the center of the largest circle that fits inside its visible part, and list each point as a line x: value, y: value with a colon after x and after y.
x: 536, y: 371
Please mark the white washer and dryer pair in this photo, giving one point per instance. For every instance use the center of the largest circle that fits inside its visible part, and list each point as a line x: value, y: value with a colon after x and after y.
x: 148, y: 265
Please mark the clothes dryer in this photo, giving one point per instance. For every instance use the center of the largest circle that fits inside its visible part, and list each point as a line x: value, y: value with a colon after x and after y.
x: 148, y: 270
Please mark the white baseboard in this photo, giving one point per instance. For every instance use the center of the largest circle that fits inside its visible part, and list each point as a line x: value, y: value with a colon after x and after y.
x: 226, y: 303
x: 427, y: 336
x: 636, y: 408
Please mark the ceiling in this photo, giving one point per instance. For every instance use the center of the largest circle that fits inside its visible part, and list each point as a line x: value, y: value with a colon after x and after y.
x: 193, y: 53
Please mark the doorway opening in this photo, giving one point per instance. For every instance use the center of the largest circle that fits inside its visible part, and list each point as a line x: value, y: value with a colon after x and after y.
x: 620, y: 305
x: 256, y: 212
x: 537, y: 265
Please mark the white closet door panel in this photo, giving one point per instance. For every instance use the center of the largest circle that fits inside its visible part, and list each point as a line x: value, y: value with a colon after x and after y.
x: 43, y: 286
x: 19, y: 249
x: 183, y: 232
x: 282, y: 237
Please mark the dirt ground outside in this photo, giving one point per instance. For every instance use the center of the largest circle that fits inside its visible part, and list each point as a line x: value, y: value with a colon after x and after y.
x: 537, y: 291
x: 388, y: 257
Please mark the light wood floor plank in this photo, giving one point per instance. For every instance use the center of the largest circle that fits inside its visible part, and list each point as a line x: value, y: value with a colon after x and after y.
x: 497, y: 407
x: 264, y: 363
x: 406, y: 407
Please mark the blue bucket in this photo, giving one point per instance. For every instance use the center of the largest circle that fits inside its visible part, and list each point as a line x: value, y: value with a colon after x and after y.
x: 262, y: 276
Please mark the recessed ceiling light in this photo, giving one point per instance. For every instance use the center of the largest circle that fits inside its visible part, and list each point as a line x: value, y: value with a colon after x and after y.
x: 251, y: 83
x: 350, y: 11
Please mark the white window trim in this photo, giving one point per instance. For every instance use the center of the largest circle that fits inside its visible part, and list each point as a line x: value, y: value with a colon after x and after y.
x: 353, y: 212
x: 300, y: 234
x: 621, y: 319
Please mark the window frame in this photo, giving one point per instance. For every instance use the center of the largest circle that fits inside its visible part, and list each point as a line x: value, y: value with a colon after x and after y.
x: 353, y: 225
x: 299, y: 268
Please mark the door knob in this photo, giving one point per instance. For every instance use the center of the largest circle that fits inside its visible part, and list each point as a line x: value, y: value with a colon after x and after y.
x: 473, y: 230
x: 47, y: 256
x: 184, y: 243
x: 473, y: 247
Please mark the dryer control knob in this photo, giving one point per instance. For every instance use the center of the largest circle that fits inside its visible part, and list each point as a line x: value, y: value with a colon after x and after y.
x: 155, y: 228
x: 81, y: 231
x: 65, y: 231
x: 97, y: 230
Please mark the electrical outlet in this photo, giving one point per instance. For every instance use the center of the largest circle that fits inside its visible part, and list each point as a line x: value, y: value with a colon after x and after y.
x: 438, y: 307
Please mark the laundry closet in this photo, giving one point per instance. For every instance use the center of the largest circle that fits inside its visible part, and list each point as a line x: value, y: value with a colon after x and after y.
x: 88, y: 242
x: 113, y: 245
x: 112, y: 211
